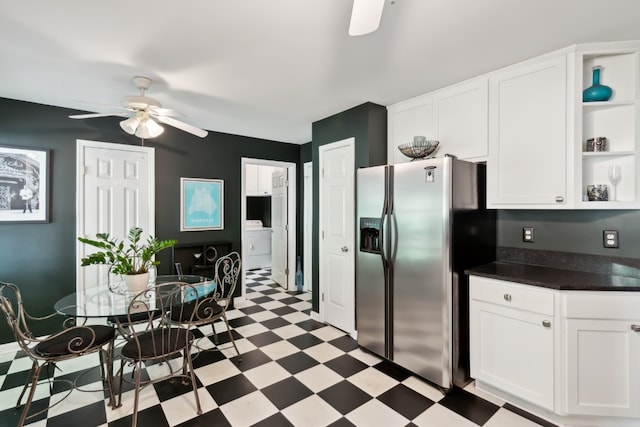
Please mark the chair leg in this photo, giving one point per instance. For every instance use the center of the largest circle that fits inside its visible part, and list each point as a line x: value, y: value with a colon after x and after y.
x: 121, y: 371
x: 107, y: 370
x: 193, y: 379
x: 215, y: 334
x: 27, y: 382
x: 233, y: 341
x: 27, y: 405
x: 134, y: 421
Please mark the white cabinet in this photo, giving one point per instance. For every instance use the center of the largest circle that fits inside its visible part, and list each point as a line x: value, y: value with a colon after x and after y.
x: 258, y: 180
x: 602, y: 354
x: 460, y: 115
x: 512, y: 339
x: 569, y: 356
x: 406, y: 120
x: 527, y: 164
x: 617, y: 120
x: 456, y: 116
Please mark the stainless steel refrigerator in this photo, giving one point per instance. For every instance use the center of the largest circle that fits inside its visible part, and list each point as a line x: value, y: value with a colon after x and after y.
x: 421, y: 224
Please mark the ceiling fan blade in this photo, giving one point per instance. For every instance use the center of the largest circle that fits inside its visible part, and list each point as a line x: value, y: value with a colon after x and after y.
x: 165, y: 111
x: 94, y: 115
x: 365, y: 16
x: 181, y: 125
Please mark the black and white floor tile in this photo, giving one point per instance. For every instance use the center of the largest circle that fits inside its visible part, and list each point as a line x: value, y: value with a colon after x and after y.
x: 294, y: 372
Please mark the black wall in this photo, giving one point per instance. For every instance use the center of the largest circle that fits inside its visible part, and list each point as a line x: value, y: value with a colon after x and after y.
x: 41, y: 258
x: 367, y: 123
x: 576, y: 231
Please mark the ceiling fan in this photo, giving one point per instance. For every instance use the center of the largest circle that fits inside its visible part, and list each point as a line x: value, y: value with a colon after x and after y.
x: 143, y: 112
x: 365, y: 16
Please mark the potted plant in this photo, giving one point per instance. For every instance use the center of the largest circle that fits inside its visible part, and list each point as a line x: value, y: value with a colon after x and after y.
x: 132, y: 260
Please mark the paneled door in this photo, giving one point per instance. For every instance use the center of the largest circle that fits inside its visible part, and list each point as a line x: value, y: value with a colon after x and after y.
x: 337, y: 228
x: 115, y: 191
x: 279, y: 227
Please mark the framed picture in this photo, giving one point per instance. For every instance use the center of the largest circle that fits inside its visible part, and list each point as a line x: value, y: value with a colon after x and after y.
x: 201, y: 204
x: 24, y: 184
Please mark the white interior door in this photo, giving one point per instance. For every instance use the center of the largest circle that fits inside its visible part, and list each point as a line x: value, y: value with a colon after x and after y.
x: 279, y: 227
x: 337, y: 218
x: 115, y: 191
x: 308, y: 225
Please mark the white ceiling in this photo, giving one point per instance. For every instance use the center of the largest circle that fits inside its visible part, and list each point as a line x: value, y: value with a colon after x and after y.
x: 270, y: 68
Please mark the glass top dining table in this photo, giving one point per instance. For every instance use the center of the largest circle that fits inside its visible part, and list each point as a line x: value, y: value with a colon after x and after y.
x: 111, y: 301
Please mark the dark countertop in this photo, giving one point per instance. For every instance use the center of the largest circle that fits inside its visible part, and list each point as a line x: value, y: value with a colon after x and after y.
x: 555, y: 278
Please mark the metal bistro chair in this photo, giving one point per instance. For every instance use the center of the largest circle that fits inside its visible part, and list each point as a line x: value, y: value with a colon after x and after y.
x: 69, y: 343
x: 152, y: 339
x: 213, y: 306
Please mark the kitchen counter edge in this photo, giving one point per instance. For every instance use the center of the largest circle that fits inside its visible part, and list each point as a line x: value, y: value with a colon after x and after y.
x: 555, y: 278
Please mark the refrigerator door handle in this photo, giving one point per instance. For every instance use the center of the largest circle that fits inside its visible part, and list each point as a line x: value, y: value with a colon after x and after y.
x: 383, y: 238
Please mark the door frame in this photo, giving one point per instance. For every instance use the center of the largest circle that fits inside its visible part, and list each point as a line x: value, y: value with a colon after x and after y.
x: 307, y: 230
x: 291, y: 217
x: 81, y: 145
x: 348, y: 142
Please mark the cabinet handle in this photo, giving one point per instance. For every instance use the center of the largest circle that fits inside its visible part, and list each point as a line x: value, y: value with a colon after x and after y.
x: 559, y: 199
x: 635, y: 328
x: 507, y: 297
x: 546, y: 323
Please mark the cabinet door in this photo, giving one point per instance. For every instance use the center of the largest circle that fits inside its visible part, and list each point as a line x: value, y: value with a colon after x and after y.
x: 527, y: 162
x: 462, y: 120
x: 264, y: 180
x: 251, y: 180
x: 406, y: 120
x: 513, y: 351
x: 603, y: 377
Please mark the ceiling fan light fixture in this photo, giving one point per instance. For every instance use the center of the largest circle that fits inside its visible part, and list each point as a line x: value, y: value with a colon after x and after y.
x: 130, y: 125
x: 149, y: 129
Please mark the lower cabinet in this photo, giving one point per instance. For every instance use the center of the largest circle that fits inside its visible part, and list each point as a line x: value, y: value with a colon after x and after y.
x: 512, y: 339
x: 572, y: 357
x: 603, y: 354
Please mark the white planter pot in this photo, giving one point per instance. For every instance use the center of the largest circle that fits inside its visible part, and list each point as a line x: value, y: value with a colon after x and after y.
x: 137, y: 282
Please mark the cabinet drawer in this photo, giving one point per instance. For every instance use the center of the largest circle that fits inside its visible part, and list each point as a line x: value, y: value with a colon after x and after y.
x: 508, y: 294
x: 602, y: 305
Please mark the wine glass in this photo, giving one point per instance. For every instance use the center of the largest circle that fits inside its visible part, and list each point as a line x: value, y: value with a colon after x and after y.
x: 615, y: 175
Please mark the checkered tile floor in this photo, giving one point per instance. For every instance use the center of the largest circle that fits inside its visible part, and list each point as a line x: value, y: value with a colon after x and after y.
x: 294, y: 372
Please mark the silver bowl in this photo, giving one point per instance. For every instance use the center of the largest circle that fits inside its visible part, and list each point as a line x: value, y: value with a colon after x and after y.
x: 418, y: 150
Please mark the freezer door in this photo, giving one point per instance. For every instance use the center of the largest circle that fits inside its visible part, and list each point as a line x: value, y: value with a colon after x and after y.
x: 421, y: 265
x: 371, y: 308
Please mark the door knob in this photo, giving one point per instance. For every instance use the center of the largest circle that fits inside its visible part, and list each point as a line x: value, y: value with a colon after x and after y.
x: 345, y: 249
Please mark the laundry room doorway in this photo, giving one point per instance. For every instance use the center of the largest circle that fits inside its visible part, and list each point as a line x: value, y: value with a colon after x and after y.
x: 268, y: 229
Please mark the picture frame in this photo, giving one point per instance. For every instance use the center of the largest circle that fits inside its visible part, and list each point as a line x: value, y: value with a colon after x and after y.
x: 201, y: 204
x: 24, y: 184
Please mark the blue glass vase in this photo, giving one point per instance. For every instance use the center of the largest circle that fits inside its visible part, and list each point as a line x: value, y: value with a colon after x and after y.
x: 596, y: 92
x: 299, y: 277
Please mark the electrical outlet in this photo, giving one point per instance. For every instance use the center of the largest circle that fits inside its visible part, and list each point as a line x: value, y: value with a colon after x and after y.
x: 527, y: 235
x: 610, y: 239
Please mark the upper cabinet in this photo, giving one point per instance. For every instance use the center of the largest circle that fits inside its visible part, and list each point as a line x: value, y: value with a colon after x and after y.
x: 406, y: 120
x: 544, y: 146
x: 455, y: 116
x: 527, y: 162
x: 258, y: 180
x: 548, y: 148
x: 460, y: 115
x: 607, y: 131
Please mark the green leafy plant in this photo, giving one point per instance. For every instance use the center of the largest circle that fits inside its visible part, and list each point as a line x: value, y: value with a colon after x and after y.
x: 134, y: 257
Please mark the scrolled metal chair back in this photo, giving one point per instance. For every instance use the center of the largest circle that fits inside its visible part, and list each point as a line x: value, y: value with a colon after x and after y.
x: 227, y: 271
